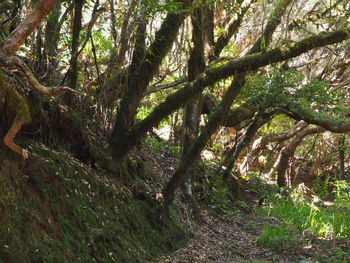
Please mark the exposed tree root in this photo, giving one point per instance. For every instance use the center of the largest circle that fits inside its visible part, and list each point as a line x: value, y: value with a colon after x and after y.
x: 8, y: 139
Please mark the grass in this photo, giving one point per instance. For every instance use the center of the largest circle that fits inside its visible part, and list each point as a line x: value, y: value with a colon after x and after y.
x: 278, y: 237
x: 301, y: 216
x: 309, y: 218
x: 312, y: 216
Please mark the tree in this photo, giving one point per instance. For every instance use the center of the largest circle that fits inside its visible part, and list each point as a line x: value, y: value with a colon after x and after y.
x: 118, y: 80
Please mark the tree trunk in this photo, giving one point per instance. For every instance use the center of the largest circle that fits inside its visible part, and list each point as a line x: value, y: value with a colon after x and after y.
x: 233, y: 154
x: 26, y: 27
x: 342, y: 157
x: 193, y: 154
x: 261, y: 143
x: 52, y: 32
x: 193, y: 109
x: 73, y: 65
x: 140, y: 79
x: 230, y: 31
x: 287, y: 153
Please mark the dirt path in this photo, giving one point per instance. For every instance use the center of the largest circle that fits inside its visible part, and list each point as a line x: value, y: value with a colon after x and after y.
x: 231, y: 239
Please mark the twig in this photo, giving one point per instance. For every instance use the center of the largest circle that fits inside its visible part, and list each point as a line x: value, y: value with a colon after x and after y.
x: 95, y: 60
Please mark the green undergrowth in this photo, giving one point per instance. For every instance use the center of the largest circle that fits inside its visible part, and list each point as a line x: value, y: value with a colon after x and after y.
x: 312, y: 215
x: 55, y: 209
x: 279, y: 237
x: 307, y: 219
x: 303, y: 217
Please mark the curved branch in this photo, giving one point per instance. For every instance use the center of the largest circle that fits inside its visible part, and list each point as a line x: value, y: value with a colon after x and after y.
x: 330, y: 123
x: 260, y: 143
x: 155, y: 88
x: 34, y: 83
x: 230, y: 31
x: 26, y: 27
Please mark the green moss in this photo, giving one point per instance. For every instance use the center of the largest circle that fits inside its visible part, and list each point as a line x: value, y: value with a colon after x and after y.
x: 16, y: 103
x: 93, y: 218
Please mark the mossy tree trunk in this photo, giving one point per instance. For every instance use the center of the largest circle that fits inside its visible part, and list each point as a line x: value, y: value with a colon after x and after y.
x: 139, y: 80
x: 192, y: 111
x: 73, y: 64
x: 342, y: 157
x: 193, y: 154
x: 52, y: 32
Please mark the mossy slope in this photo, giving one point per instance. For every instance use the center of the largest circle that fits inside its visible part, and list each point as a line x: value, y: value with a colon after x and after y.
x: 55, y: 209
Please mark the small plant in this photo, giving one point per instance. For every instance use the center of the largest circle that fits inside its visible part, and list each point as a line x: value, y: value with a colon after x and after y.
x: 242, y: 204
x: 174, y: 150
x: 320, y: 186
x: 220, y: 200
x: 153, y: 144
x: 342, y: 192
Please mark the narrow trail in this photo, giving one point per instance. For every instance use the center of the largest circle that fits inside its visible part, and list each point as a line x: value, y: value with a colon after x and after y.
x: 232, y: 239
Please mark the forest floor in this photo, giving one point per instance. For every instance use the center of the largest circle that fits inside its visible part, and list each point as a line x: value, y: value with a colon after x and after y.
x: 233, y: 239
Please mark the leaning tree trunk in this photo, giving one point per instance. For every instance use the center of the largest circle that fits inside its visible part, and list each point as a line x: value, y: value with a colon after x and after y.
x: 233, y: 154
x: 287, y: 153
x: 260, y: 143
x: 140, y: 79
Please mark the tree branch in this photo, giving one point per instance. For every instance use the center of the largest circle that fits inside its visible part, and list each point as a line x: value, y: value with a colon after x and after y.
x: 239, y: 65
x: 26, y: 27
x: 34, y: 83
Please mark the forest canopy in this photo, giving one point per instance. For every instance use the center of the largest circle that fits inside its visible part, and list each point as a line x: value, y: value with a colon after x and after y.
x: 272, y: 72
